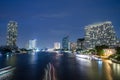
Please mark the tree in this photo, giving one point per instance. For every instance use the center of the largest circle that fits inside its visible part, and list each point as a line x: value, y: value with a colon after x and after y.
x: 5, y: 49
x: 117, y: 50
x: 99, y: 49
x: 92, y: 51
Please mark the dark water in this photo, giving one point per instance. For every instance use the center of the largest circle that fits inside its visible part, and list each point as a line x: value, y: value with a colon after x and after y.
x: 31, y: 67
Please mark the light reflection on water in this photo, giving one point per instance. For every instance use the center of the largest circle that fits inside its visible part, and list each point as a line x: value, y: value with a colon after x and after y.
x: 112, y: 70
x: 85, y: 62
x: 11, y: 60
x: 116, y: 69
x: 33, y: 57
x: 100, y: 70
x: 108, y: 70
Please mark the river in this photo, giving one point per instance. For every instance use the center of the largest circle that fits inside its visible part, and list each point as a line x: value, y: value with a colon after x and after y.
x: 31, y: 67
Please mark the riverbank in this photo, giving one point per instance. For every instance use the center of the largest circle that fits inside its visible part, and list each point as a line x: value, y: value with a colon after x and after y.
x: 110, y: 58
x: 89, y: 57
x: 114, y: 60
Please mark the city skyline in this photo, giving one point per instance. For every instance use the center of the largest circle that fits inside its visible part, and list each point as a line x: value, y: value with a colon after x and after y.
x: 50, y: 21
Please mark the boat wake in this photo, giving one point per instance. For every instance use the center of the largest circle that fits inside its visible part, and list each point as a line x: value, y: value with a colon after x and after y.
x: 50, y: 72
x: 6, y: 73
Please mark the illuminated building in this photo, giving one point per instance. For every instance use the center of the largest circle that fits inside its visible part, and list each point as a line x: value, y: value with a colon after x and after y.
x: 100, y: 34
x: 56, y: 45
x: 73, y: 46
x: 32, y: 44
x: 108, y: 52
x: 12, y: 34
x: 65, y: 43
x: 80, y: 44
x: 118, y: 43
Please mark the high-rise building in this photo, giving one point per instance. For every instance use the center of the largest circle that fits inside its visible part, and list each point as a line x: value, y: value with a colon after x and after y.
x: 27, y: 45
x: 100, y: 34
x: 65, y: 43
x: 56, y: 45
x: 73, y: 46
x: 80, y: 44
x: 12, y: 34
x: 32, y: 44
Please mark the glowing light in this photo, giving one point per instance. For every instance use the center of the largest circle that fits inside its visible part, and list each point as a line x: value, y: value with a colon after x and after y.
x: 84, y: 56
x: 108, y: 52
x: 37, y: 50
x: 7, y: 55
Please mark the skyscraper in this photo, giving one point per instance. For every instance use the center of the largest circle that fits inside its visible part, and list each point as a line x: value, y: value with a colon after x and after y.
x: 65, y: 43
x: 73, y: 46
x: 12, y: 34
x: 56, y: 45
x: 80, y: 44
x: 32, y: 44
x: 100, y: 34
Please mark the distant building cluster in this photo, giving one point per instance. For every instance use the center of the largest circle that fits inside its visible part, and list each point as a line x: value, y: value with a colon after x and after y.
x: 95, y: 35
x: 32, y: 44
x: 12, y: 34
x: 100, y: 34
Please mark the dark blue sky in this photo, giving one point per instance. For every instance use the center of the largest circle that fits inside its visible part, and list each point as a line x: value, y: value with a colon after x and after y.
x: 49, y: 21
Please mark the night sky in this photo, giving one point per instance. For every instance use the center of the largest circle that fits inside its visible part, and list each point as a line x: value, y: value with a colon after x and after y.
x: 49, y: 21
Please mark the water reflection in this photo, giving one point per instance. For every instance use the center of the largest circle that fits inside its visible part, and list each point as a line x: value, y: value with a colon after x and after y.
x: 108, y: 70
x: 33, y: 58
x: 11, y: 60
x: 99, y: 70
x: 112, y: 70
x: 116, y: 69
x: 84, y: 62
x: 100, y: 63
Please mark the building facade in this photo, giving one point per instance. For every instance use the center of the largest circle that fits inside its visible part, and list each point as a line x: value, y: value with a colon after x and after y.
x: 32, y: 44
x: 12, y: 34
x: 65, y: 43
x: 100, y: 34
x: 56, y: 45
x: 80, y: 43
x: 73, y: 46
